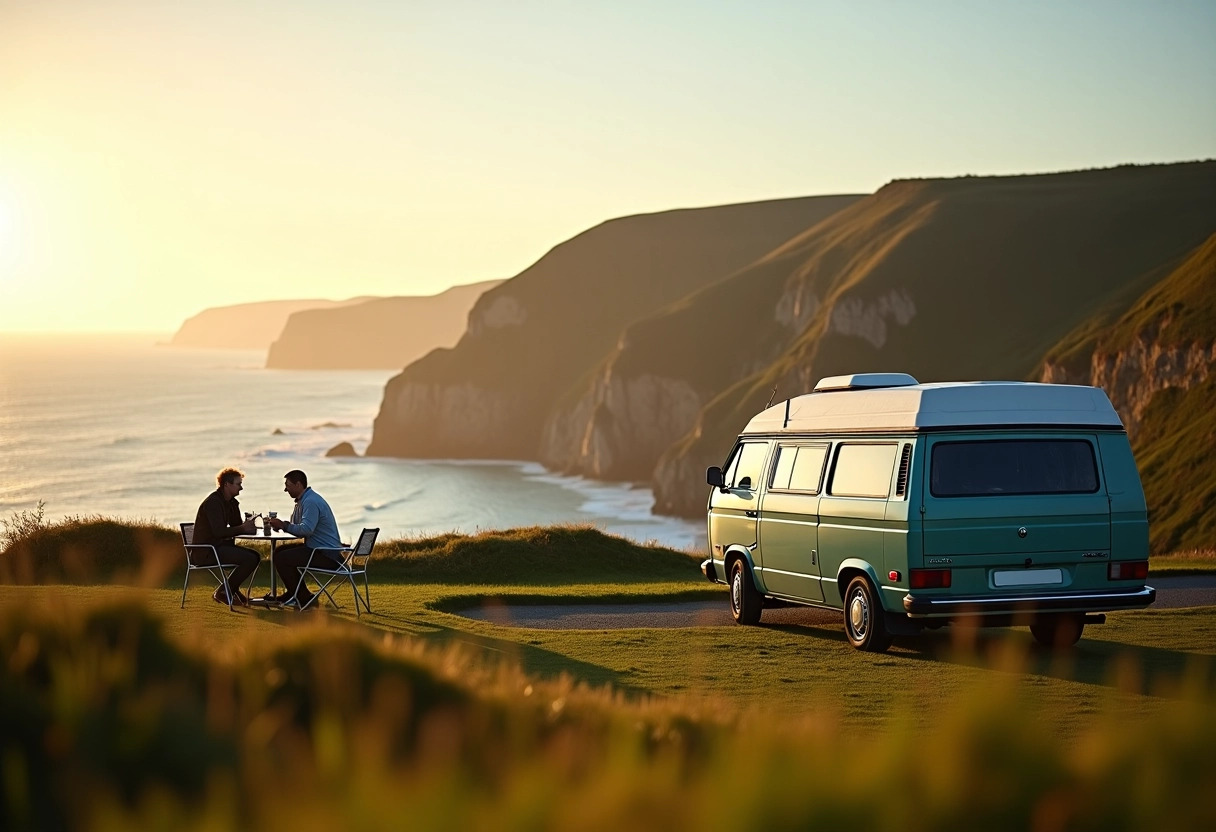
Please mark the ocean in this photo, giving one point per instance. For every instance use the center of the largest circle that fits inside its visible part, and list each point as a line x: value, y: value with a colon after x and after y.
x: 123, y: 427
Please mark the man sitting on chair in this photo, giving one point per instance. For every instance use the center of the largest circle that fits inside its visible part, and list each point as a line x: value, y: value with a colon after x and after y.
x: 219, y: 521
x: 314, y: 521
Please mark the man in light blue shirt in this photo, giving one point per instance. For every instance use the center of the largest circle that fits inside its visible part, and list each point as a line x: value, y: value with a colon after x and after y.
x: 314, y: 521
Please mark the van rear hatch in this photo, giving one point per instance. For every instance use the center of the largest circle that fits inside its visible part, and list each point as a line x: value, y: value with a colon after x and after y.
x: 1018, y: 500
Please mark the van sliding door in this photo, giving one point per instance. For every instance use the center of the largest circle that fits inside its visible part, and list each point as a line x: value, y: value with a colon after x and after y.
x: 853, y: 522
x: 789, y: 523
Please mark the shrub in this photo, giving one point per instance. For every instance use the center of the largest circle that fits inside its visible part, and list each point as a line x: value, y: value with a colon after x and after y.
x: 23, y: 524
x: 86, y: 550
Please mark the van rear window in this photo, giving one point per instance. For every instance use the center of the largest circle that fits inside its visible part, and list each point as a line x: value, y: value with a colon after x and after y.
x: 1013, y: 466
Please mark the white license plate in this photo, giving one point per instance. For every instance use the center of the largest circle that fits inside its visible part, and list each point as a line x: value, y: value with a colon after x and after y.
x: 1028, y: 577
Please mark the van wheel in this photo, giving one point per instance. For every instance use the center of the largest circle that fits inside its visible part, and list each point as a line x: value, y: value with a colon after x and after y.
x: 863, y: 618
x: 745, y: 601
x: 1058, y: 630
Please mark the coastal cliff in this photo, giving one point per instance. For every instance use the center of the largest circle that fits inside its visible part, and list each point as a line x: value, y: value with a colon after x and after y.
x: 1157, y: 363
x: 1132, y: 376
x: 386, y: 333
x: 245, y: 326
x: 1166, y: 339
x: 540, y: 336
x: 961, y: 279
x: 619, y: 426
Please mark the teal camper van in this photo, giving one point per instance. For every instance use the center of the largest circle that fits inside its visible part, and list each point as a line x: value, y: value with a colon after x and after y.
x: 909, y: 505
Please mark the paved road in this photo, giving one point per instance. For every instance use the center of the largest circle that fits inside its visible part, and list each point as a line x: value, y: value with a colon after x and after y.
x: 1171, y: 592
x: 1185, y: 591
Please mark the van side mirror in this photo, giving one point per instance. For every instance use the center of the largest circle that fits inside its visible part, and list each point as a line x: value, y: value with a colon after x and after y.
x: 713, y: 476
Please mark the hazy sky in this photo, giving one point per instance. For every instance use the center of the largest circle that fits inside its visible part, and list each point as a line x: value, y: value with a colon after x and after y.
x: 157, y: 158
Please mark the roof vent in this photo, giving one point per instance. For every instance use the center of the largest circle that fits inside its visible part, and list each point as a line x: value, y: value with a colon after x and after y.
x: 864, y: 381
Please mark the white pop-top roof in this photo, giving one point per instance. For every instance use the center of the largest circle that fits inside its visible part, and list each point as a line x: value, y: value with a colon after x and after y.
x: 945, y: 405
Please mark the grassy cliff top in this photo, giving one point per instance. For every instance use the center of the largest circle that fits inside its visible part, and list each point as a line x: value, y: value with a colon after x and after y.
x: 1180, y: 309
x: 92, y: 550
x: 1175, y: 451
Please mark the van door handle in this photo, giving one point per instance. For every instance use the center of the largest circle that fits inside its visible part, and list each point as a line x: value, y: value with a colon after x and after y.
x: 751, y: 513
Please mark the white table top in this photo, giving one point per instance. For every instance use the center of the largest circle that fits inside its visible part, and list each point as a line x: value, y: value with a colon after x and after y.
x: 277, y: 537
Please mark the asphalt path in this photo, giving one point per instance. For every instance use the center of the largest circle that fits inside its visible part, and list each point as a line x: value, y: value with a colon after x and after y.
x: 1180, y: 591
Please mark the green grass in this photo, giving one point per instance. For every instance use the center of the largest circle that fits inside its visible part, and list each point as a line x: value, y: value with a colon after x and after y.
x: 1180, y: 309
x: 417, y: 714
x: 1176, y: 454
x: 1193, y: 562
x: 540, y: 556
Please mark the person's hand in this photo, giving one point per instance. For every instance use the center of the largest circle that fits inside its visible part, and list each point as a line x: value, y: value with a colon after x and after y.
x: 277, y: 524
x: 249, y: 526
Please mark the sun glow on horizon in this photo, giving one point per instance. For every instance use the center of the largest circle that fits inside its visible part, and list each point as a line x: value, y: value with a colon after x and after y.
x: 160, y: 159
x: 8, y: 232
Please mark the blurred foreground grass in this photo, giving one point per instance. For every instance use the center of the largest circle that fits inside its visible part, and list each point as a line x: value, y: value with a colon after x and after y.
x: 109, y: 724
x: 121, y: 711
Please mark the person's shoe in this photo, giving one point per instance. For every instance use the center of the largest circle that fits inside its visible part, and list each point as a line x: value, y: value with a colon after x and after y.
x: 220, y: 597
x: 298, y: 603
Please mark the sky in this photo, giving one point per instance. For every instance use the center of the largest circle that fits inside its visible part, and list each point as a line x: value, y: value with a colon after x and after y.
x: 159, y: 158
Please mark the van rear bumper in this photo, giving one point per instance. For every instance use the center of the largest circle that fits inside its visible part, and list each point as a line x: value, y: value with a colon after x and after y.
x: 1029, y: 602
x: 710, y: 571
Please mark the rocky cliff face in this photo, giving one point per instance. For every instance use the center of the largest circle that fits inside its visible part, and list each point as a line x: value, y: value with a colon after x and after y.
x: 449, y: 421
x: 679, y: 485
x: 1133, y: 375
x: 619, y: 426
x: 679, y: 476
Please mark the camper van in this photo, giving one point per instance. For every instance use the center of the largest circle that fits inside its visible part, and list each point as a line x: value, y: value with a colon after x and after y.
x: 910, y: 506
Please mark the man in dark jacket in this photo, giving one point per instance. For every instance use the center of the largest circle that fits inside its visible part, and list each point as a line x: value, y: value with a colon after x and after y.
x: 217, y: 523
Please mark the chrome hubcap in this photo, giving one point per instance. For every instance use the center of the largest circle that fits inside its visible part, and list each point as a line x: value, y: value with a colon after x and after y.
x: 858, y: 613
x: 736, y: 590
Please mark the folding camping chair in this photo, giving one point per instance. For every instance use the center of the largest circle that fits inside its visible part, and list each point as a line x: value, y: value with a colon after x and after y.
x: 215, y: 569
x: 353, y: 562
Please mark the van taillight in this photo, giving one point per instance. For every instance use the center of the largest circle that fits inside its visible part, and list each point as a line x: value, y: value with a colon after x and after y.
x: 929, y: 578
x: 1127, y: 570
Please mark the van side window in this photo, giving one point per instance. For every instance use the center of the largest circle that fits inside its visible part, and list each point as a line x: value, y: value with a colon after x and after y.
x: 784, y: 466
x: 808, y: 468
x: 747, y: 464
x: 1013, y: 466
x: 799, y: 468
x: 732, y: 465
x: 863, y: 470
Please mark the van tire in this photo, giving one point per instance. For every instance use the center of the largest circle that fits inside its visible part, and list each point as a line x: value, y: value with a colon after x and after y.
x: 1058, y: 630
x: 864, y: 622
x: 745, y: 602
